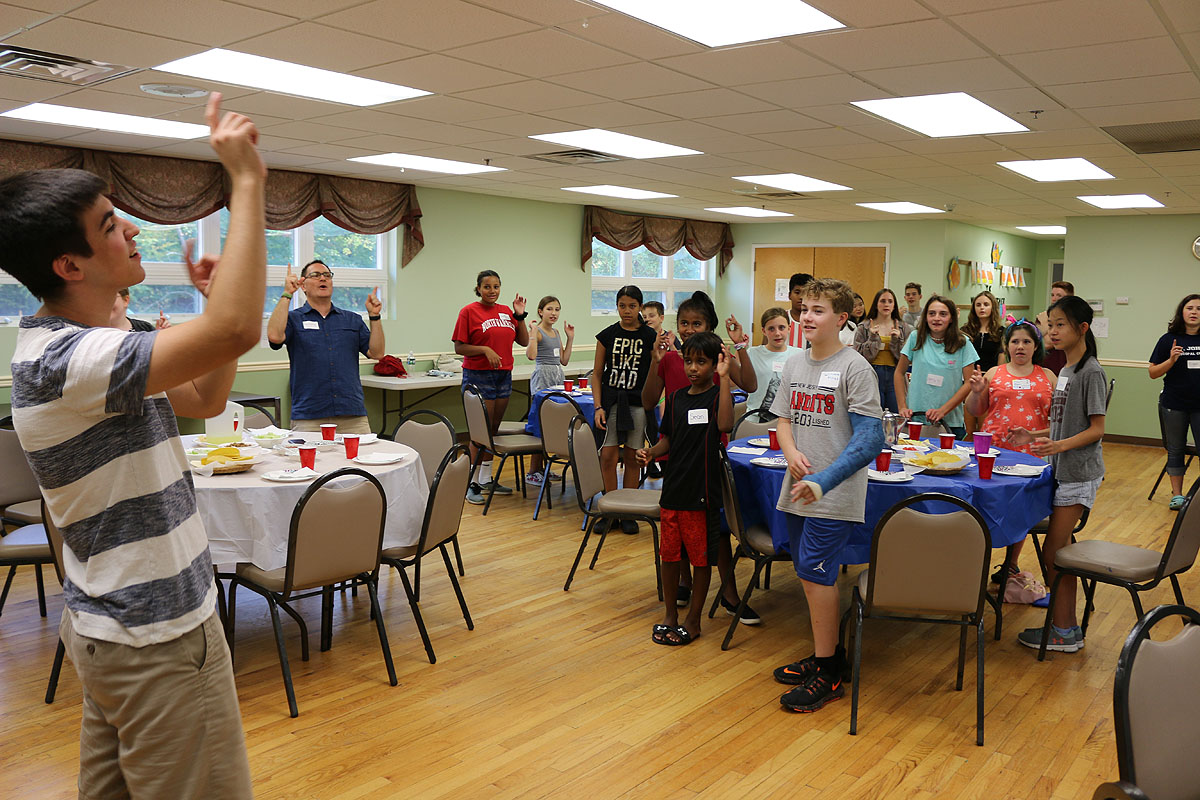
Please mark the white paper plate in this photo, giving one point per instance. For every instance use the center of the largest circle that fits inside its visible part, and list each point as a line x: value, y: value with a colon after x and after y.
x: 889, y: 477
x: 379, y: 459
x: 363, y: 438
x: 759, y: 441
x: 903, y: 449
x: 289, y: 476
x: 1018, y: 470
x: 774, y: 462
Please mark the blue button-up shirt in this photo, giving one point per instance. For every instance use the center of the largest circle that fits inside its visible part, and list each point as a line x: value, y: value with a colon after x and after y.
x: 323, y: 352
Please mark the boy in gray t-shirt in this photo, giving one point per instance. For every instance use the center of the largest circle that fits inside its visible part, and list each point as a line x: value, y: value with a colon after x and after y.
x: 829, y: 430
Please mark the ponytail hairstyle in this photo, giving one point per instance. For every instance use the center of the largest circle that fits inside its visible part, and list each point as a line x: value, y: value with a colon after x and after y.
x: 700, y: 303
x: 629, y: 291
x: 954, y: 340
x: 1078, y: 313
x: 995, y: 322
x: 1039, y: 352
x: 1177, y: 326
x: 487, y: 273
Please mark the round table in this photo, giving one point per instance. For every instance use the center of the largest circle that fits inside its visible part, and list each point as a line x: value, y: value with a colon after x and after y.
x: 247, y: 517
x: 1009, y: 505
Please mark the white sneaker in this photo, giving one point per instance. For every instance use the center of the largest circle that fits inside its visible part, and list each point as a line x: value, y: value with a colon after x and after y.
x: 533, y: 478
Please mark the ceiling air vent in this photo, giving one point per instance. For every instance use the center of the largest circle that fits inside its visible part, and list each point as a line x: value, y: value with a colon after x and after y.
x: 773, y: 195
x: 58, y: 68
x: 1158, y: 137
x: 575, y: 157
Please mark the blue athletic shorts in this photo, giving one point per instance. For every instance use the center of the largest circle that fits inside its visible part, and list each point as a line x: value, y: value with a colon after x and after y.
x: 816, y: 546
x: 493, y: 383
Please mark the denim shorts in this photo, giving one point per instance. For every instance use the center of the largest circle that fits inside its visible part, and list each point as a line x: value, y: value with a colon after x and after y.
x: 1082, y: 493
x: 493, y: 384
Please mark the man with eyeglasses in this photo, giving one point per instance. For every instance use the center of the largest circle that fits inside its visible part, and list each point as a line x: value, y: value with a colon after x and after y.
x: 323, y: 343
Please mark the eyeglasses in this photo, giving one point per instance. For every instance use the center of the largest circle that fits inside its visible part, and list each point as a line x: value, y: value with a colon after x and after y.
x: 319, y: 275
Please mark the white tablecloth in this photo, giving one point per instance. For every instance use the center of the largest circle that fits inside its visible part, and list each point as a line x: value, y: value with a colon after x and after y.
x: 247, y: 517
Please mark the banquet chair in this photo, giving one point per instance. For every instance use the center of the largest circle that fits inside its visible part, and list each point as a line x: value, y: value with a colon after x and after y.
x: 931, y: 430
x: 480, y: 429
x: 443, y: 515
x: 432, y: 440
x: 510, y: 427
x: 749, y: 424
x: 555, y: 418
x: 1134, y: 569
x: 20, y: 497
x: 754, y: 542
x: 1156, y: 712
x: 1189, y: 450
x: 926, y: 568
x: 335, y: 535
x: 635, y: 504
x: 739, y: 410
x: 257, y: 416
x: 55, y: 540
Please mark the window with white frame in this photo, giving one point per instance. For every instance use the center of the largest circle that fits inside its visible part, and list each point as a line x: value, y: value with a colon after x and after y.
x: 668, y: 279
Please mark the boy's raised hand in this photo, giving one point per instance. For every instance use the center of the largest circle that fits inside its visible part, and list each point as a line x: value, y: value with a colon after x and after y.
x: 234, y: 138
x: 201, y: 272
x: 661, y: 345
x: 723, y: 361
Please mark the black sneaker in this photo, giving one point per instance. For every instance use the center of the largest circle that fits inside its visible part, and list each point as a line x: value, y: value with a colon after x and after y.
x: 601, y: 526
x: 812, y: 696
x: 749, y: 615
x: 628, y: 526
x: 999, y: 573
x: 801, y: 672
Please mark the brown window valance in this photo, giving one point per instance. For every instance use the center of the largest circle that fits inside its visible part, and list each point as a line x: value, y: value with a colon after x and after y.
x: 662, y: 236
x: 171, y: 191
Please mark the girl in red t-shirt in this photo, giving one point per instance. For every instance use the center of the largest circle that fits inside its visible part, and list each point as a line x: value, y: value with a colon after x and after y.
x: 484, y: 336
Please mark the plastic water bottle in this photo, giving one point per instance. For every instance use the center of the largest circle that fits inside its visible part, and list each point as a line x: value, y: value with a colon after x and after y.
x: 412, y: 358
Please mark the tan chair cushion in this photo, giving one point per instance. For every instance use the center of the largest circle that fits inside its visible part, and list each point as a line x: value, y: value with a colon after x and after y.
x: 631, y: 502
x: 400, y: 553
x: 760, y: 539
x: 26, y: 543
x: 29, y: 512
x: 903, y: 611
x: 509, y: 427
x: 271, y: 580
x: 517, y: 443
x: 1119, y: 560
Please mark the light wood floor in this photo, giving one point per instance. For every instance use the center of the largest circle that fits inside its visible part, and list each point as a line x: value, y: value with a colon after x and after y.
x: 563, y: 694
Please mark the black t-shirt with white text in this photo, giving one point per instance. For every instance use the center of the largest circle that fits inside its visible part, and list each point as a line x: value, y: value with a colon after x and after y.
x: 626, y: 363
x: 1181, y: 384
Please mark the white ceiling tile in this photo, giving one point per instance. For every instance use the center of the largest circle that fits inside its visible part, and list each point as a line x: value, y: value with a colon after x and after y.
x: 763, y: 122
x: 632, y: 36
x: 544, y: 12
x: 30, y: 91
x: 514, y: 146
x: 542, y: 53
x: 429, y: 26
x: 969, y: 75
x: 522, y: 125
x: 107, y: 140
x: 304, y: 9
x: 1192, y: 42
x: 13, y: 18
x: 1182, y: 86
x: 954, y: 144
x: 818, y: 137
x: 1184, y: 15
x: 685, y: 133
x: 853, y: 152
x: 802, y: 93
x: 359, y: 119
x: 435, y: 72
x: 327, y: 48
x: 441, y: 108
x: 752, y: 63
x: 1066, y: 23
x: 605, y: 115
x: 103, y: 43
x: 1143, y: 112
x: 696, y: 104
x: 439, y: 132
x: 143, y: 106
x: 530, y: 96
x: 639, y: 79
x: 331, y: 151
x: 311, y: 132
x: 1158, y: 56
x: 210, y: 22
x: 277, y: 105
x: 385, y: 143
x: 871, y: 13
x: 923, y: 42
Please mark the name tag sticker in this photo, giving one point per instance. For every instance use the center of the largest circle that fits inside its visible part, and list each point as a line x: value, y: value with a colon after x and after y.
x: 933, y: 379
x: 1022, y: 383
x: 1061, y: 386
x: 698, y: 416
x: 556, y: 352
x: 829, y: 380
x: 1193, y: 363
x: 312, y: 325
x: 503, y: 316
x: 778, y: 366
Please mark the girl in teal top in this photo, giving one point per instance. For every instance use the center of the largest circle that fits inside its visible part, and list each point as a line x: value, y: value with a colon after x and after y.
x: 941, y: 359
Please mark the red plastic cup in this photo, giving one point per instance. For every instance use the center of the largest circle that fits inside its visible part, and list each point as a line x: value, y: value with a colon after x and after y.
x: 569, y: 385
x: 986, y: 462
x: 773, y: 439
x: 914, y: 430
x: 351, y: 442
x: 328, y: 431
x: 883, y: 461
x: 947, y: 440
x: 308, y: 456
x: 583, y: 383
x: 982, y: 442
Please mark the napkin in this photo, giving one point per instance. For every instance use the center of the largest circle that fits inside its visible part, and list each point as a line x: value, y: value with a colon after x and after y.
x: 749, y: 451
x: 302, y: 472
x: 203, y: 470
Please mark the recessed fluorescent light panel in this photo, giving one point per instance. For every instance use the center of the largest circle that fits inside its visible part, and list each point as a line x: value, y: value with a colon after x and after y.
x: 243, y: 69
x: 793, y: 182
x: 426, y: 164
x: 1044, y: 229
x: 902, y: 208
x: 617, y: 191
x: 940, y: 115
x: 718, y: 22
x: 107, y: 121
x: 1121, y: 201
x: 1058, y: 169
x: 618, y: 144
x: 747, y: 211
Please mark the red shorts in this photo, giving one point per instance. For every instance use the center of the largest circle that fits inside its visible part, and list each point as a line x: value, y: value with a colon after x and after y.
x: 696, y: 530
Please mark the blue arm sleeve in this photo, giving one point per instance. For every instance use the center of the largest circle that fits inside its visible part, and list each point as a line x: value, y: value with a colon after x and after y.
x: 865, y: 443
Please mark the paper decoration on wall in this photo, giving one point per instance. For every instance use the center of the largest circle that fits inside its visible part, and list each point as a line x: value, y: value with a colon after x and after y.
x: 981, y: 273
x: 959, y: 271
x: 781, y: 289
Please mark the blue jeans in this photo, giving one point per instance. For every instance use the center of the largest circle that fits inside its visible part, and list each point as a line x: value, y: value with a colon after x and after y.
x: 1175, y: 429
x: 887, y: 387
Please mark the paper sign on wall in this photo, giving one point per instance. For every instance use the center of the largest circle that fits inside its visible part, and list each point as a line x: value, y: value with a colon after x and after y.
x: 1100, y: 327
x: 781, y: 289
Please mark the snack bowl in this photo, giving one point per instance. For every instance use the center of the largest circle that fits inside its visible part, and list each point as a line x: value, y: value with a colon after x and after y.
x: 270, y: 441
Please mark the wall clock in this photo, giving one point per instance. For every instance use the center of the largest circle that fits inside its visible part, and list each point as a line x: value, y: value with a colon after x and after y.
x: 1196, y: 247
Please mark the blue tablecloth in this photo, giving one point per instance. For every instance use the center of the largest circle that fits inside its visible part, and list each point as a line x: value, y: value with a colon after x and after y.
x: 1010, y: 506
x: 533, y: 425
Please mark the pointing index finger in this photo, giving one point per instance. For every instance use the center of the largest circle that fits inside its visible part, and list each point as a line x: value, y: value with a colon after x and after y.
x: 212, y: 112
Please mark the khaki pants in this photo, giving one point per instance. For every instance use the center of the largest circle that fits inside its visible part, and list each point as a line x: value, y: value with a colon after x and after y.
x: 160, y: 721
x: 345, y: 424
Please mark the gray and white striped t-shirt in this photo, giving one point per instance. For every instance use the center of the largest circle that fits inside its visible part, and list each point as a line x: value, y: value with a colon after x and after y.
x: 115, y: 479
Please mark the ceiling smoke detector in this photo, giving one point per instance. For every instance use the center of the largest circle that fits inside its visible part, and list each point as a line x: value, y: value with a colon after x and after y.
x: 57, y: 68
x: 173, y: 90
x: 575, y: 157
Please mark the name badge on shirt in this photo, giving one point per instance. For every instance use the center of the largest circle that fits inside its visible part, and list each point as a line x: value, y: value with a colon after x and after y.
x: 829, y: 380
x: 698, y: 416
x: 312, y: 325
x: 503, y: 316
x: 1193, y: 363
x: 1061, y: 386
x: 556, y: 352
x: 933, y: 379
x: 1022, y: 383
x: 778, y: 366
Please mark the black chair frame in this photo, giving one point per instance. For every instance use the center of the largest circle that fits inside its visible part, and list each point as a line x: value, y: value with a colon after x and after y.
x: 549, y: 459
x: 482, y: 448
